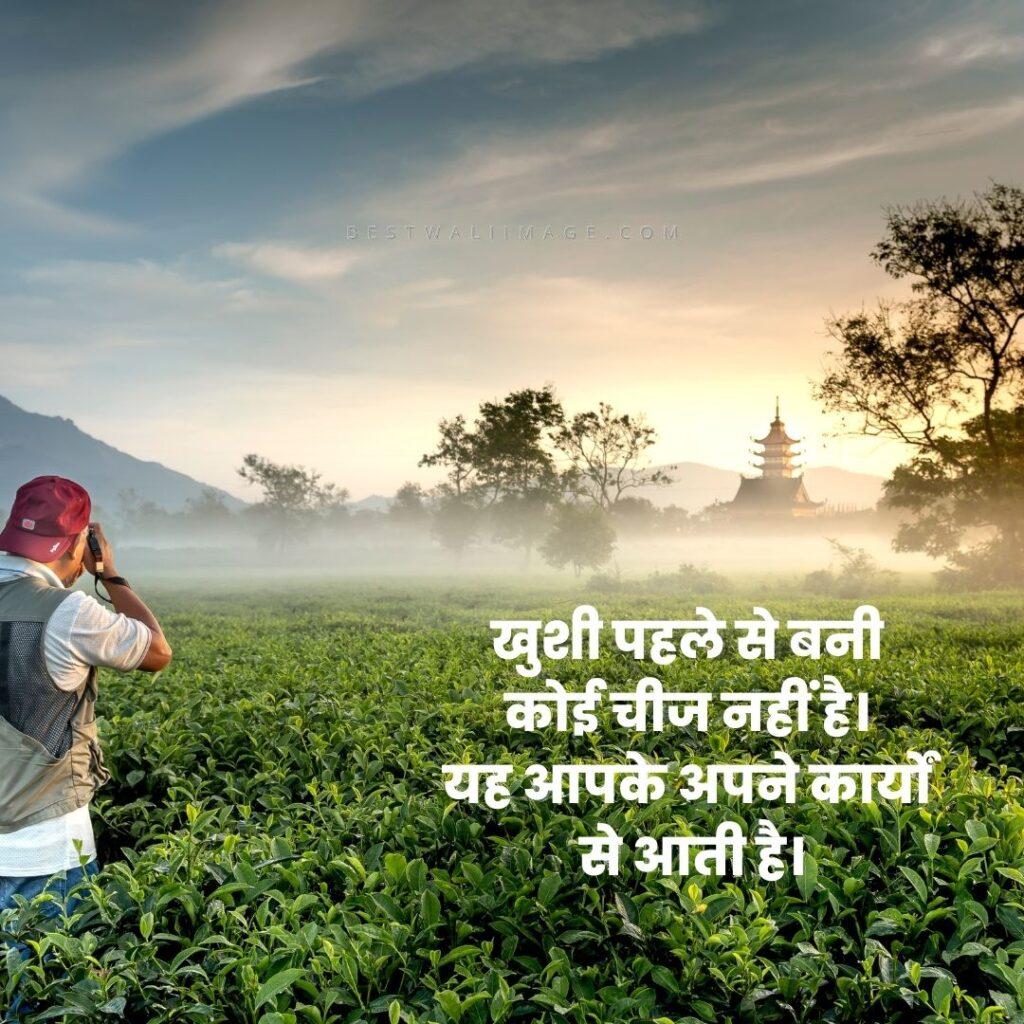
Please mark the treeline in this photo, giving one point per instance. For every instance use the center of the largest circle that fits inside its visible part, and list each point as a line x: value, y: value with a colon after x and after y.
x: 524, y: 473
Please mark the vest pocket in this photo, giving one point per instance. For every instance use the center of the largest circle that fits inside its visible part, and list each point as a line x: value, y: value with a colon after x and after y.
x: 32, y: 780
x: 97, y: 769
x: 87, y: 769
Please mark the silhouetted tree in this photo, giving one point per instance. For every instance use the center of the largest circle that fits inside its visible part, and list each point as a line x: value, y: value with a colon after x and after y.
x: 141, y: 514
x: 208, y: 508
x: 505, y: 464
x: 636, y: 515
x: 456, y: 454
x: 512, y: 454
x: 455, y: 522
x: 515, y: 463
x: 674, y: 519
x: 608, y: 454
x: 292, y: 496
x: 856, y: 573
x: 409, y: 506
x: 944, y: 373
x: 581, y: 536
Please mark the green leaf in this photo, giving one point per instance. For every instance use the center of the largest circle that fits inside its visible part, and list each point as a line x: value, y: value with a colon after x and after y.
x: 881, y: 926
x: 919, y: 884
x: 430, y: 908
x: 146, y: 925
x: 395, y: 864
x: 501, y: 1002
x: 547, y: 889
x: 1012, y: 920
x: 976, y: 829
x: 808, y: 881
x: 449, y: 1002
x: 852, y: 886
x: 972, y: 949
x: 394, y: 1012
x: 350, y: 971
x: 279, y: 983
x: 663, y: 977
x: 704, y: 1010
x: 942, y: 996
x: 459, y: 953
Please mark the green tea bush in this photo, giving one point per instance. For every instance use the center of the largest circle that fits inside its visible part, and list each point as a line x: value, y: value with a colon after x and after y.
x: 278, y: 846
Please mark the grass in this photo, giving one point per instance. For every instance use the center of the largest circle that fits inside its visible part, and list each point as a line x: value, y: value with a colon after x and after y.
x: 278, y: 846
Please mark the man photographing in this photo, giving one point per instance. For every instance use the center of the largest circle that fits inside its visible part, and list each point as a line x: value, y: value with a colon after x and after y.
x: 52, y: 641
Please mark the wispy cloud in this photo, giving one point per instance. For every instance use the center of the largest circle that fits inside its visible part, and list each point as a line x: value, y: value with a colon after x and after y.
x: 160, y: 288
x: 289, y: 262
x: 113, y: 317
x: 971, y: 44
x: 672, y: 149
x: 402, y: 42
x: 61, y: 125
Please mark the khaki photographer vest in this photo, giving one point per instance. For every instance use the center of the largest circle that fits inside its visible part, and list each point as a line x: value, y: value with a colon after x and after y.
x: 50, y: 757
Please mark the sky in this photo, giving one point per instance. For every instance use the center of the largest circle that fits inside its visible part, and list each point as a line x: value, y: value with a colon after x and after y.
x: 311, y: 230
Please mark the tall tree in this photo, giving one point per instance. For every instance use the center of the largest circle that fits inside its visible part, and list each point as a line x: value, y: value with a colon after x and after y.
x: 505, y: 464
x: 944, y: 374
x: 456, y: 454
x: 515, y: 463
x: 208, y: 507
x: 512, y: 453
x: 292, y: 495
x: 455, y: 522
x: 581, y: 537
x: 608, y: 454
x: 409, y: 505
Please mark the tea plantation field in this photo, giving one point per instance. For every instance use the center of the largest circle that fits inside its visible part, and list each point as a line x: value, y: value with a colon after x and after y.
x: 278, y: 846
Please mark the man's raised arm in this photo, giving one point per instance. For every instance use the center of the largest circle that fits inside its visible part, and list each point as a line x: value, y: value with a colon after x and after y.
x: 126, y: 602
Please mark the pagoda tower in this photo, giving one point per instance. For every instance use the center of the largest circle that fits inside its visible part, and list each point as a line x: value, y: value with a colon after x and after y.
x: 779, y: 489
x: 778, y: 449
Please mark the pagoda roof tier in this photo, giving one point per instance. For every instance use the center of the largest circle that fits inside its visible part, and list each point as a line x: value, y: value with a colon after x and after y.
x: 775, y: 464
x: 776, y: 435
x: 777, y: 432
x: 773, y: 494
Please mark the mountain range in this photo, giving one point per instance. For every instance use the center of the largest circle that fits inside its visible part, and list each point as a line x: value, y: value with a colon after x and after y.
x: 32, y: 445
x: 35, y: 445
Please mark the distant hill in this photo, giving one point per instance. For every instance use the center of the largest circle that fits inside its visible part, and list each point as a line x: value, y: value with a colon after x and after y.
x: 841, y: 487
x: 696, y: 485
x: 34, y: 445
x: 371, y: 503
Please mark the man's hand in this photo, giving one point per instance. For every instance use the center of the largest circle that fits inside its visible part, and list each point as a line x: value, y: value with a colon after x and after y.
x: 107, y: 556
x: 127, y: 602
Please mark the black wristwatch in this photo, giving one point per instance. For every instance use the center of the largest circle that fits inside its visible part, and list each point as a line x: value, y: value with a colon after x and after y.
x: 118, y: 580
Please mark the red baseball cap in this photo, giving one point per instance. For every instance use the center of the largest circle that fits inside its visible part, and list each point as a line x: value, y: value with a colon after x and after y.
x: 47, y: 516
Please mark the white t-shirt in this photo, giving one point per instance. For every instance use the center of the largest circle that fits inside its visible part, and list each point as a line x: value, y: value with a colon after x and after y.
x: 81, y: 633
